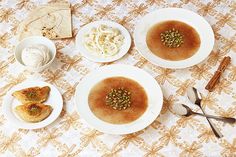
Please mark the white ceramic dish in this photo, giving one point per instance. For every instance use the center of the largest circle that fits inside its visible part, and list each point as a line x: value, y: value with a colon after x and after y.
x: 10, y: 102
x: 35, y: 40
x: 196, y: 21
x: 84, y: 30
x: 152, y: 88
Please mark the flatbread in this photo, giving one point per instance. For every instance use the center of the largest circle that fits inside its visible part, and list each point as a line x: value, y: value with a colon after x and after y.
x: 52, y: 21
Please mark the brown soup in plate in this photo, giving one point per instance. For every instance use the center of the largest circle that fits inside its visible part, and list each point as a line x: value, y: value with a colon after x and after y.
x: 173, y: 40
x: 118, y: 100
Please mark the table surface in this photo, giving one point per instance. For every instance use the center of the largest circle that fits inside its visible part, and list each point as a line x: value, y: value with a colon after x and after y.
x: 168, y: 135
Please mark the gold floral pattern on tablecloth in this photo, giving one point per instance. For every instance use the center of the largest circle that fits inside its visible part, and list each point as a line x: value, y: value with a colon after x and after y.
x: 168, y: 135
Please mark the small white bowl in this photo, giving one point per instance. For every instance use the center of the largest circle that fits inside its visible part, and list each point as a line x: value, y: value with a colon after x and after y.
x: 31, y: 41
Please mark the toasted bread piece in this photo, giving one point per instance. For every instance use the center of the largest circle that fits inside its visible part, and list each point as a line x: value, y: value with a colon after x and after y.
x: 35, y: 112
x: 32, y: 94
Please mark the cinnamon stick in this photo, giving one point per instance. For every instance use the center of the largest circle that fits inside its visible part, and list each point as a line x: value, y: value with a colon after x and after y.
x: 216, y: 77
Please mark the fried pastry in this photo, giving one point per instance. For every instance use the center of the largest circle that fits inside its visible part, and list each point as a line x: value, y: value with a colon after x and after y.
x: 33, y: 112
x: 32, y: 94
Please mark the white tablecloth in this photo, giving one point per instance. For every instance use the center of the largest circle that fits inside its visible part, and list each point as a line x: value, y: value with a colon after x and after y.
x: 168, y: 135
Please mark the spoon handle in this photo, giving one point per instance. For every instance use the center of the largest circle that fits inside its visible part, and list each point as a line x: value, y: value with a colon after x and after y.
x: 196, y: 97
x: 214, y: 129
x: 224, y: 119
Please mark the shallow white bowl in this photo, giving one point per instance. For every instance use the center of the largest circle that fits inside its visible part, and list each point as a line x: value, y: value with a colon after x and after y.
x: 35, y: 40
x: 196, y: 21
x: 152, y: 88
x: 87, y: 54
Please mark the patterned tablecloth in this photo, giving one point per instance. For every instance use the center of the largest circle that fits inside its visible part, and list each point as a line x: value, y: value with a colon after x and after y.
x: 168, y: 135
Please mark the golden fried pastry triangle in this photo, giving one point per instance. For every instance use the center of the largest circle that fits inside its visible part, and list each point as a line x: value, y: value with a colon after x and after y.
x: 34, y: 112
x: 32, y: 94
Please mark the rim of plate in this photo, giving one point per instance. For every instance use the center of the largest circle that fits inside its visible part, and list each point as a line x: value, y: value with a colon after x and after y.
x: 9, y: 102
x: 84, y: 52
x: 193, y: 19
x: 151, y: 86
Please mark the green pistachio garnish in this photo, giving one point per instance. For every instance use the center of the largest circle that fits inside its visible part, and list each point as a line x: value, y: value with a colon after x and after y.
x: 32, y: 94
x: 34, y: 109
x: 118, y: 99
x: 172, y: 38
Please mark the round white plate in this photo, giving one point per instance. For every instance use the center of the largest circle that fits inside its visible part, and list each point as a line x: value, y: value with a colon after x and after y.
x: 10, y: 102
x: 85, y: 29
x: 152, y: 88
x: 196, y: 21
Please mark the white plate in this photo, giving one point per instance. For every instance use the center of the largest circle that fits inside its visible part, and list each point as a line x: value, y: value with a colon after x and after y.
x: 196, y: 21
x: 152, y: 88
x: 10, y: 102
x: 84, y: 30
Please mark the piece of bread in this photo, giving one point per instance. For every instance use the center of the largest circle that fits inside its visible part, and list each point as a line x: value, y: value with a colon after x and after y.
x: 51, y: 20
x: 32, y: 94
x: 35, y: 112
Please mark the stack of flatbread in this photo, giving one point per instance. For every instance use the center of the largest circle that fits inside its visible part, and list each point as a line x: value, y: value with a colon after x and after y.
x: 52, y: 21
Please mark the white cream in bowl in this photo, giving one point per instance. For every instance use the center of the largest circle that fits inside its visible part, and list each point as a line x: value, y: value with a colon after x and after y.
x: 35, y: 55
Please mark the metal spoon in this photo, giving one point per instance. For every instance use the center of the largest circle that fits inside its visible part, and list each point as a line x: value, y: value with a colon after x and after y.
x: 196, y: 98
x: 190, y: 112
